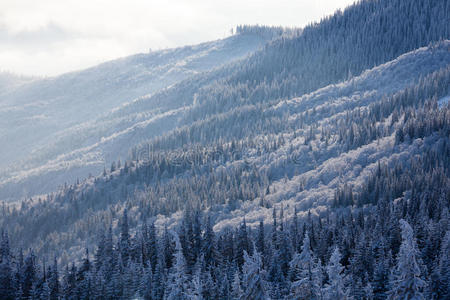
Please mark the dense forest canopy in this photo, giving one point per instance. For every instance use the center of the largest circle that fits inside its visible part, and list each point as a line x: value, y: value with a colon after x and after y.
x: 315, y: 168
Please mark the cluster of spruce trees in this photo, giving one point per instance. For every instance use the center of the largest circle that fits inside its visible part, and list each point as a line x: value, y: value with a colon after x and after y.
x: 364, y: 35
x: 387, y: 250
x: 161, y: 185
x: 387, y: 237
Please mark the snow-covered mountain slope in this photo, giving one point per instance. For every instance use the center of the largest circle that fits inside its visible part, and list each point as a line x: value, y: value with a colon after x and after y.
x: 110, y: 137
x: 337, y: 135
x: 45, y: 118
x: 294, y: 153
x: 96, y: 127
x: 10, y: 82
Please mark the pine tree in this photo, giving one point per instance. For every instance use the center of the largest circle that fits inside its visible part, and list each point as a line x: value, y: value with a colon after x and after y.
x: 98, y: 286
x: 7, y: 290
x: 152, y: 246
x: 108, y: 259
x: 368, y: 292
x: 407, y: 282
x: 260, y: 242
x: 131, y: 279
x: 45, y: 292
x: 335, y: 288
x: 99, y: 255
x: 276, y: 277
x: 147, y: 284
x: 209, y: 245
x: 177, y: 288
x: 196, y: 235
x: 381, y: 274
x: 29, y: 275
x: 210, y: 287
x: 444, y: 268
x: 166, y: 249
x: 294, y: 232
x: 7, y: 286
x: 84, y: 277
x: 224, y: 285
x: 69, y: 282
x: 242, y: 243
x: 125, y: 238
x: 115, y: 286
x: 186, y: 237
x: 54, y: 281
x: 301, y: 273
x: 159, y: 280
x: 236, y: 290
x: 196, y: 292
x: 253, y: 281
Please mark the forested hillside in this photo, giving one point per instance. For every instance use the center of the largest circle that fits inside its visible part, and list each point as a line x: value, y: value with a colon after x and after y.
x: 46, y: 122
x: 315, y: 168
x: 299, y: 61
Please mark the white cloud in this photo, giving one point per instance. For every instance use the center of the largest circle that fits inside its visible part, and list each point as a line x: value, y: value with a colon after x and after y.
x: 49, y: 37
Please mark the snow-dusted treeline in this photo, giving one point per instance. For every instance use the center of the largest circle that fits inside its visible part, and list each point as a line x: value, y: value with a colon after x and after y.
x: 365, y: 35
x: 246, y: 160
x: 316, y: 168
x: 388, y: 250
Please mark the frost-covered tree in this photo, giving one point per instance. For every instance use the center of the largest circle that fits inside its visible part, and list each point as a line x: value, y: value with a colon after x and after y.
x: 53, y: 281
x: 146, y: 285
x: 124, y: 238
x: 236, y: 290
x: 303, y: 273
x: 444, y: 268
x: 253, y: 278
x: 196, y: 290
x: 159, y: 281
x: 380, y: 284
x: 335, y: 289
x: 177, y: 287
x: 7, y: 286
x: 407, y: 282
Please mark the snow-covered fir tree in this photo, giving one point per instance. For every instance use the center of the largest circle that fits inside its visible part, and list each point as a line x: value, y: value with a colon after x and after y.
x: 407, y: 282
x: 335, y: 288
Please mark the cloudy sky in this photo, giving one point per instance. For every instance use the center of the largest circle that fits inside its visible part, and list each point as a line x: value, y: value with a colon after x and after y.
x: 50, y: 37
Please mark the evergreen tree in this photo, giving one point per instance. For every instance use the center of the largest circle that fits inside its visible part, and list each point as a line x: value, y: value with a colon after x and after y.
x: 178, y: 280
x: 167, y: 249
x: 407, y: 282
x: 236, y: 290
x: 108, y: 256
x: 124, y: 238
x: 335, y: 288
x: 260, y: 242
x: 253, y: 278
x: 7, y: 285
x: 196, y: 292
x: 242, y: 243
x: 302, y: 273
x: 69, y: 282
x: 29, y: 275
x: 276, y: 277
x: 44, y: 292
x: 381, y: 273
x: 147, y: 284
x: 152, y: 246
x: 444, y: 268
x: 159, y: 280
x: 99, y: 256
x: 209, y: 250
x: 54, y: 281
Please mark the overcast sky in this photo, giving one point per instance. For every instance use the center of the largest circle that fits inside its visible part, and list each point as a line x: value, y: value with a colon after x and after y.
x: 50, y: 37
